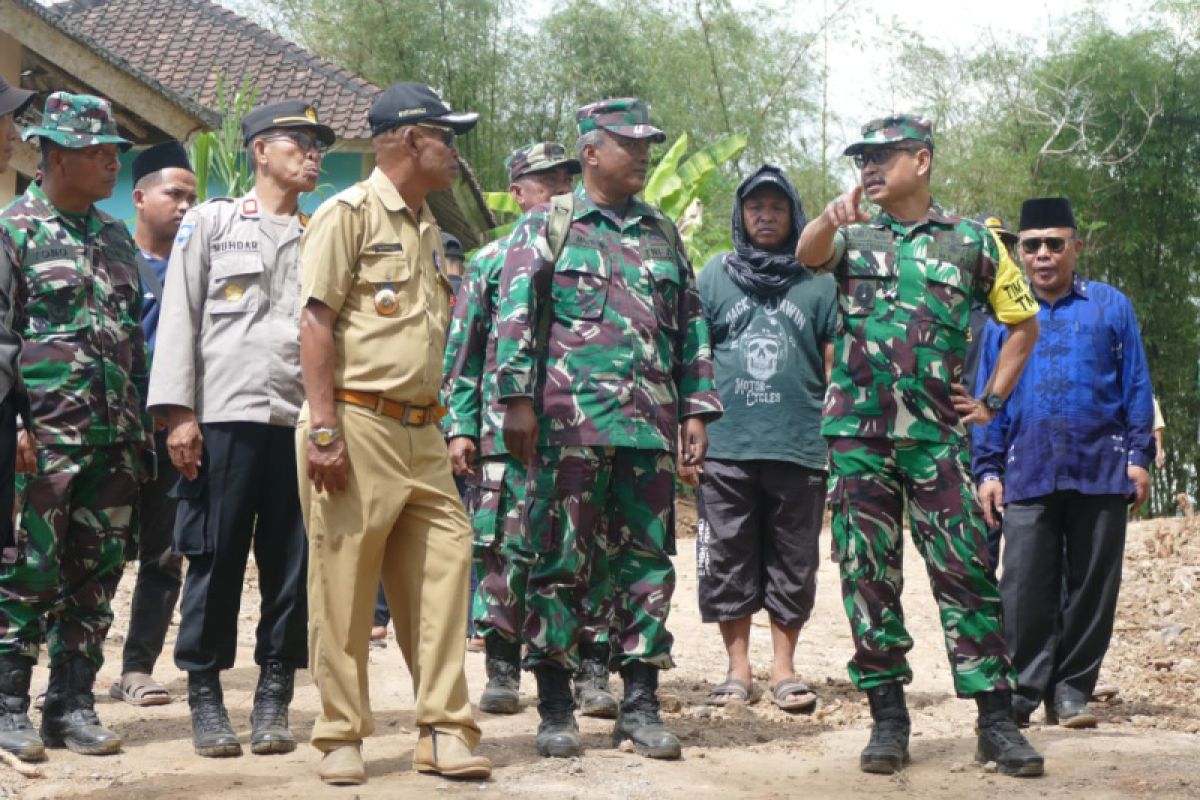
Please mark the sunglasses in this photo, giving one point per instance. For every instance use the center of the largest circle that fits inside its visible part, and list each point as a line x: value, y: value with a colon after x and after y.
x: 445, y: 135
x: 1054, y: 244
x: 881, y: 155
x: 305, y: 141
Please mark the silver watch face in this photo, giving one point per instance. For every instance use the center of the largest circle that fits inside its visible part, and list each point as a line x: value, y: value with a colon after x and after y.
x: 993, y: 401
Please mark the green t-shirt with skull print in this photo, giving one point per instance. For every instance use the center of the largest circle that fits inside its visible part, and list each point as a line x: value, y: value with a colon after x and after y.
x: 768, y: 358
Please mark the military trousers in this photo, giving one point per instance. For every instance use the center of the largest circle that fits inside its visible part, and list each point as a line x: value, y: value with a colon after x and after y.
x: 244, y: 498
x: 583, y: 501
x: 75, y: 520
x: 871, y: 481
x: 400, y: 519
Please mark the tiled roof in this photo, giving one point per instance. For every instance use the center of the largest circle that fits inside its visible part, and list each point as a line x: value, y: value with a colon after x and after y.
x: 188, y: 45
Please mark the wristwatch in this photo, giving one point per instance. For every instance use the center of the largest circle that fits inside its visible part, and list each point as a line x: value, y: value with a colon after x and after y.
x: 993, y: 401
x: 323, y: 437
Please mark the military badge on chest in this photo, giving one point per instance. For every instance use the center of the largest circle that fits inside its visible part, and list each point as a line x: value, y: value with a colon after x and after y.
x: 386, y: 302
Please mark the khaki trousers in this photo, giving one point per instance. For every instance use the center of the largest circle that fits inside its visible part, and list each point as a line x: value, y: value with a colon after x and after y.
x: 400, y: 517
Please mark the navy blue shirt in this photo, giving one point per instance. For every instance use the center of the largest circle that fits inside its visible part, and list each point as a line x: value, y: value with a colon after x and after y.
x: 1082, y: 410
x: 151, y: 306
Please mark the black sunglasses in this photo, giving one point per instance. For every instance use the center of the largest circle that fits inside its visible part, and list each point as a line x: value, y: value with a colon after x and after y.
x: 880, y: 155
x: 444, y: 134
x: 1055, y: 244
x: 305, y: 141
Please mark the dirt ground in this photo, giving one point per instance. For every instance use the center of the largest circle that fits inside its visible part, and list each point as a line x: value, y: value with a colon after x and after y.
x: 1147, y: 745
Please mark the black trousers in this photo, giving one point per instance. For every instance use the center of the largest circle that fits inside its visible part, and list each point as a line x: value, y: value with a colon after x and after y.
x: 1065, y: 540
x: 246, y: 495
x: 160, y: 568
x: 8, y: 470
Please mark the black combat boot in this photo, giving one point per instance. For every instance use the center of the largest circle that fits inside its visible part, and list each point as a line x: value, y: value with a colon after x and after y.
x: 638, y: 719
x: 17, y: 735
x: 269, y: 719
x: 557, y: 734
x: 212, y: 735
x: 503, y: 664
x: 887, y: 751
x: 592, y: 694
x: 1000, y: 740
x: 69, y: 716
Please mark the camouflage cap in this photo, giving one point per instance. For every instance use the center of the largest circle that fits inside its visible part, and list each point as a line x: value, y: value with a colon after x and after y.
x: 891, y: 130
x: 625, y: 116
x: 995, y: 222
x: 539, y: 157
x: 77, y: 121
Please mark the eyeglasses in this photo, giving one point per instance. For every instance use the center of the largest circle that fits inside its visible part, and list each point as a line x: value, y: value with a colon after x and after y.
x: 445, y: 135
x: 1054, y: 244
x: 880, y: 155
x: 305, y: 141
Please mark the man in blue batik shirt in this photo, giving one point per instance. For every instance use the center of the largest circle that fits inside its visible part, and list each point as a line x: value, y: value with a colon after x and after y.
x: 1063, y: 457
x: 164, y: 190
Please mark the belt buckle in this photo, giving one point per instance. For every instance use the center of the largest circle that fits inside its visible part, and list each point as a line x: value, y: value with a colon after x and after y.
x: 416, y: 419
x: 380, y: 402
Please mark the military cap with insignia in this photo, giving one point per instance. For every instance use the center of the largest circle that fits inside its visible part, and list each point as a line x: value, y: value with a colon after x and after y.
x: 540, y: 157
x: 13, y: 99
x: 409, y: 103
x: 996, y: 223
x: 167, y: 155
x: 893, y: 130
x: 285, y: 114
x: 76, y: 121
x: 624, y: 116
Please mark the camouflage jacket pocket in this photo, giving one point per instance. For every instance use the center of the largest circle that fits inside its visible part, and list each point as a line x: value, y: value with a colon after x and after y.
x: 666, y: 280
x: 581, y: 280
x: 57, y: 299
x: 947, y: 295
x: 234, y: 284
x: 864, y: 284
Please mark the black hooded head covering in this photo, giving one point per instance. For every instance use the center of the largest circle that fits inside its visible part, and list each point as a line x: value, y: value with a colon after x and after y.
x: 761, y: 272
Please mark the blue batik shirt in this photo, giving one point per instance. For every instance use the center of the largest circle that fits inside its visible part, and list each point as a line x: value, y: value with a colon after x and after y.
x: 1082, y: 410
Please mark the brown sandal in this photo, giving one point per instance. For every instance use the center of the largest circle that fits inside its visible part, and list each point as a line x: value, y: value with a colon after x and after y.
x: 793, y: 694
x: 139, y: 689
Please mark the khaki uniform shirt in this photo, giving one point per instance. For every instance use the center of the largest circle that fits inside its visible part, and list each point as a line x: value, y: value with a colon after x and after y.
x: 370, y: 258
x: 229, y: 335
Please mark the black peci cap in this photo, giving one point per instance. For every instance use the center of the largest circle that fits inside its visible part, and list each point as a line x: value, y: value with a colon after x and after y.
x: 161, y: 156
x: 1047, y: 212
x: 410, y: 103
x: 285, y: 114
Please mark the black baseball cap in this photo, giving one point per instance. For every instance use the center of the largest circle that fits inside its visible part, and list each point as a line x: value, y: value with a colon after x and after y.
x: 162, y: 156
x: 452, y: 246
x: 14, y: 100
x: 409, y: 103
x: 285, y: 114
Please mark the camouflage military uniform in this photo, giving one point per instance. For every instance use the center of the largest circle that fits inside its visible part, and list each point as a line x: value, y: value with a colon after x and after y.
x: 84, y: 363
x: 628, y: 358
x: 904, y: 295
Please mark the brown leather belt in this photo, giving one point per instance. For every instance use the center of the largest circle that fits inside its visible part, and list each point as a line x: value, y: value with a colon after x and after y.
x: 406, y: 413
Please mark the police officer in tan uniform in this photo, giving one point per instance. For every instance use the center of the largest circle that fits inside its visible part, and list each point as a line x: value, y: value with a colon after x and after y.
x: 375, y: 480
x: 226, y: 374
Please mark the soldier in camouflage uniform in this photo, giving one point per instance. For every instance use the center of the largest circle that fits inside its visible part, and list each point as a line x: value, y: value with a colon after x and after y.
x: 627, y: 374
x: 894, y: 416
x: 501, y: 556
x: 84, y: 363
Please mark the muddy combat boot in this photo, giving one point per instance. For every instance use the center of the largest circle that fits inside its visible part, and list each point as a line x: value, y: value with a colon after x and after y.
x: 1000, y: 740
x: 212, y: 735
x: 558, y: 734
x: 887, y: 751
x: 503, y: 664
x: 17, y: 734
x: 69, y: 716
x: 637, y: 717
x: 592, y: 695
x: 269, y: 718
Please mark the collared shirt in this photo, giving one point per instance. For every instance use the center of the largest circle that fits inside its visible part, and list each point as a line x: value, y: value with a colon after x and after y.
x: 376, y: 262
x: 629, y: 353
x: 469, y: 392
x: 228, y: 342
x: 150, y: 306
x: 84, y: 358
x: 1082, y: 410
x: 904, y: 297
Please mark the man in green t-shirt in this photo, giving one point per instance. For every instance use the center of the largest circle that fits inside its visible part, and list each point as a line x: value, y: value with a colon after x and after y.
x: 762, y: 493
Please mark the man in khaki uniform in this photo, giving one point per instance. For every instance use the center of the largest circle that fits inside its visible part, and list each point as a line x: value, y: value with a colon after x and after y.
x: 226, y: 374
x: 375, y: 481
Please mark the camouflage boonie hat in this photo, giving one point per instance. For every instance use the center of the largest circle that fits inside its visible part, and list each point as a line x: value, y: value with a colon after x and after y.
x: 539, y: 158
x: 77, y: 121
x: 624, y: 116
x: 892, y: 130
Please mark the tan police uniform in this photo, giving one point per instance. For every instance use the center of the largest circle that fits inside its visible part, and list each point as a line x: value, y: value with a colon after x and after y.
x: 376, y: 263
